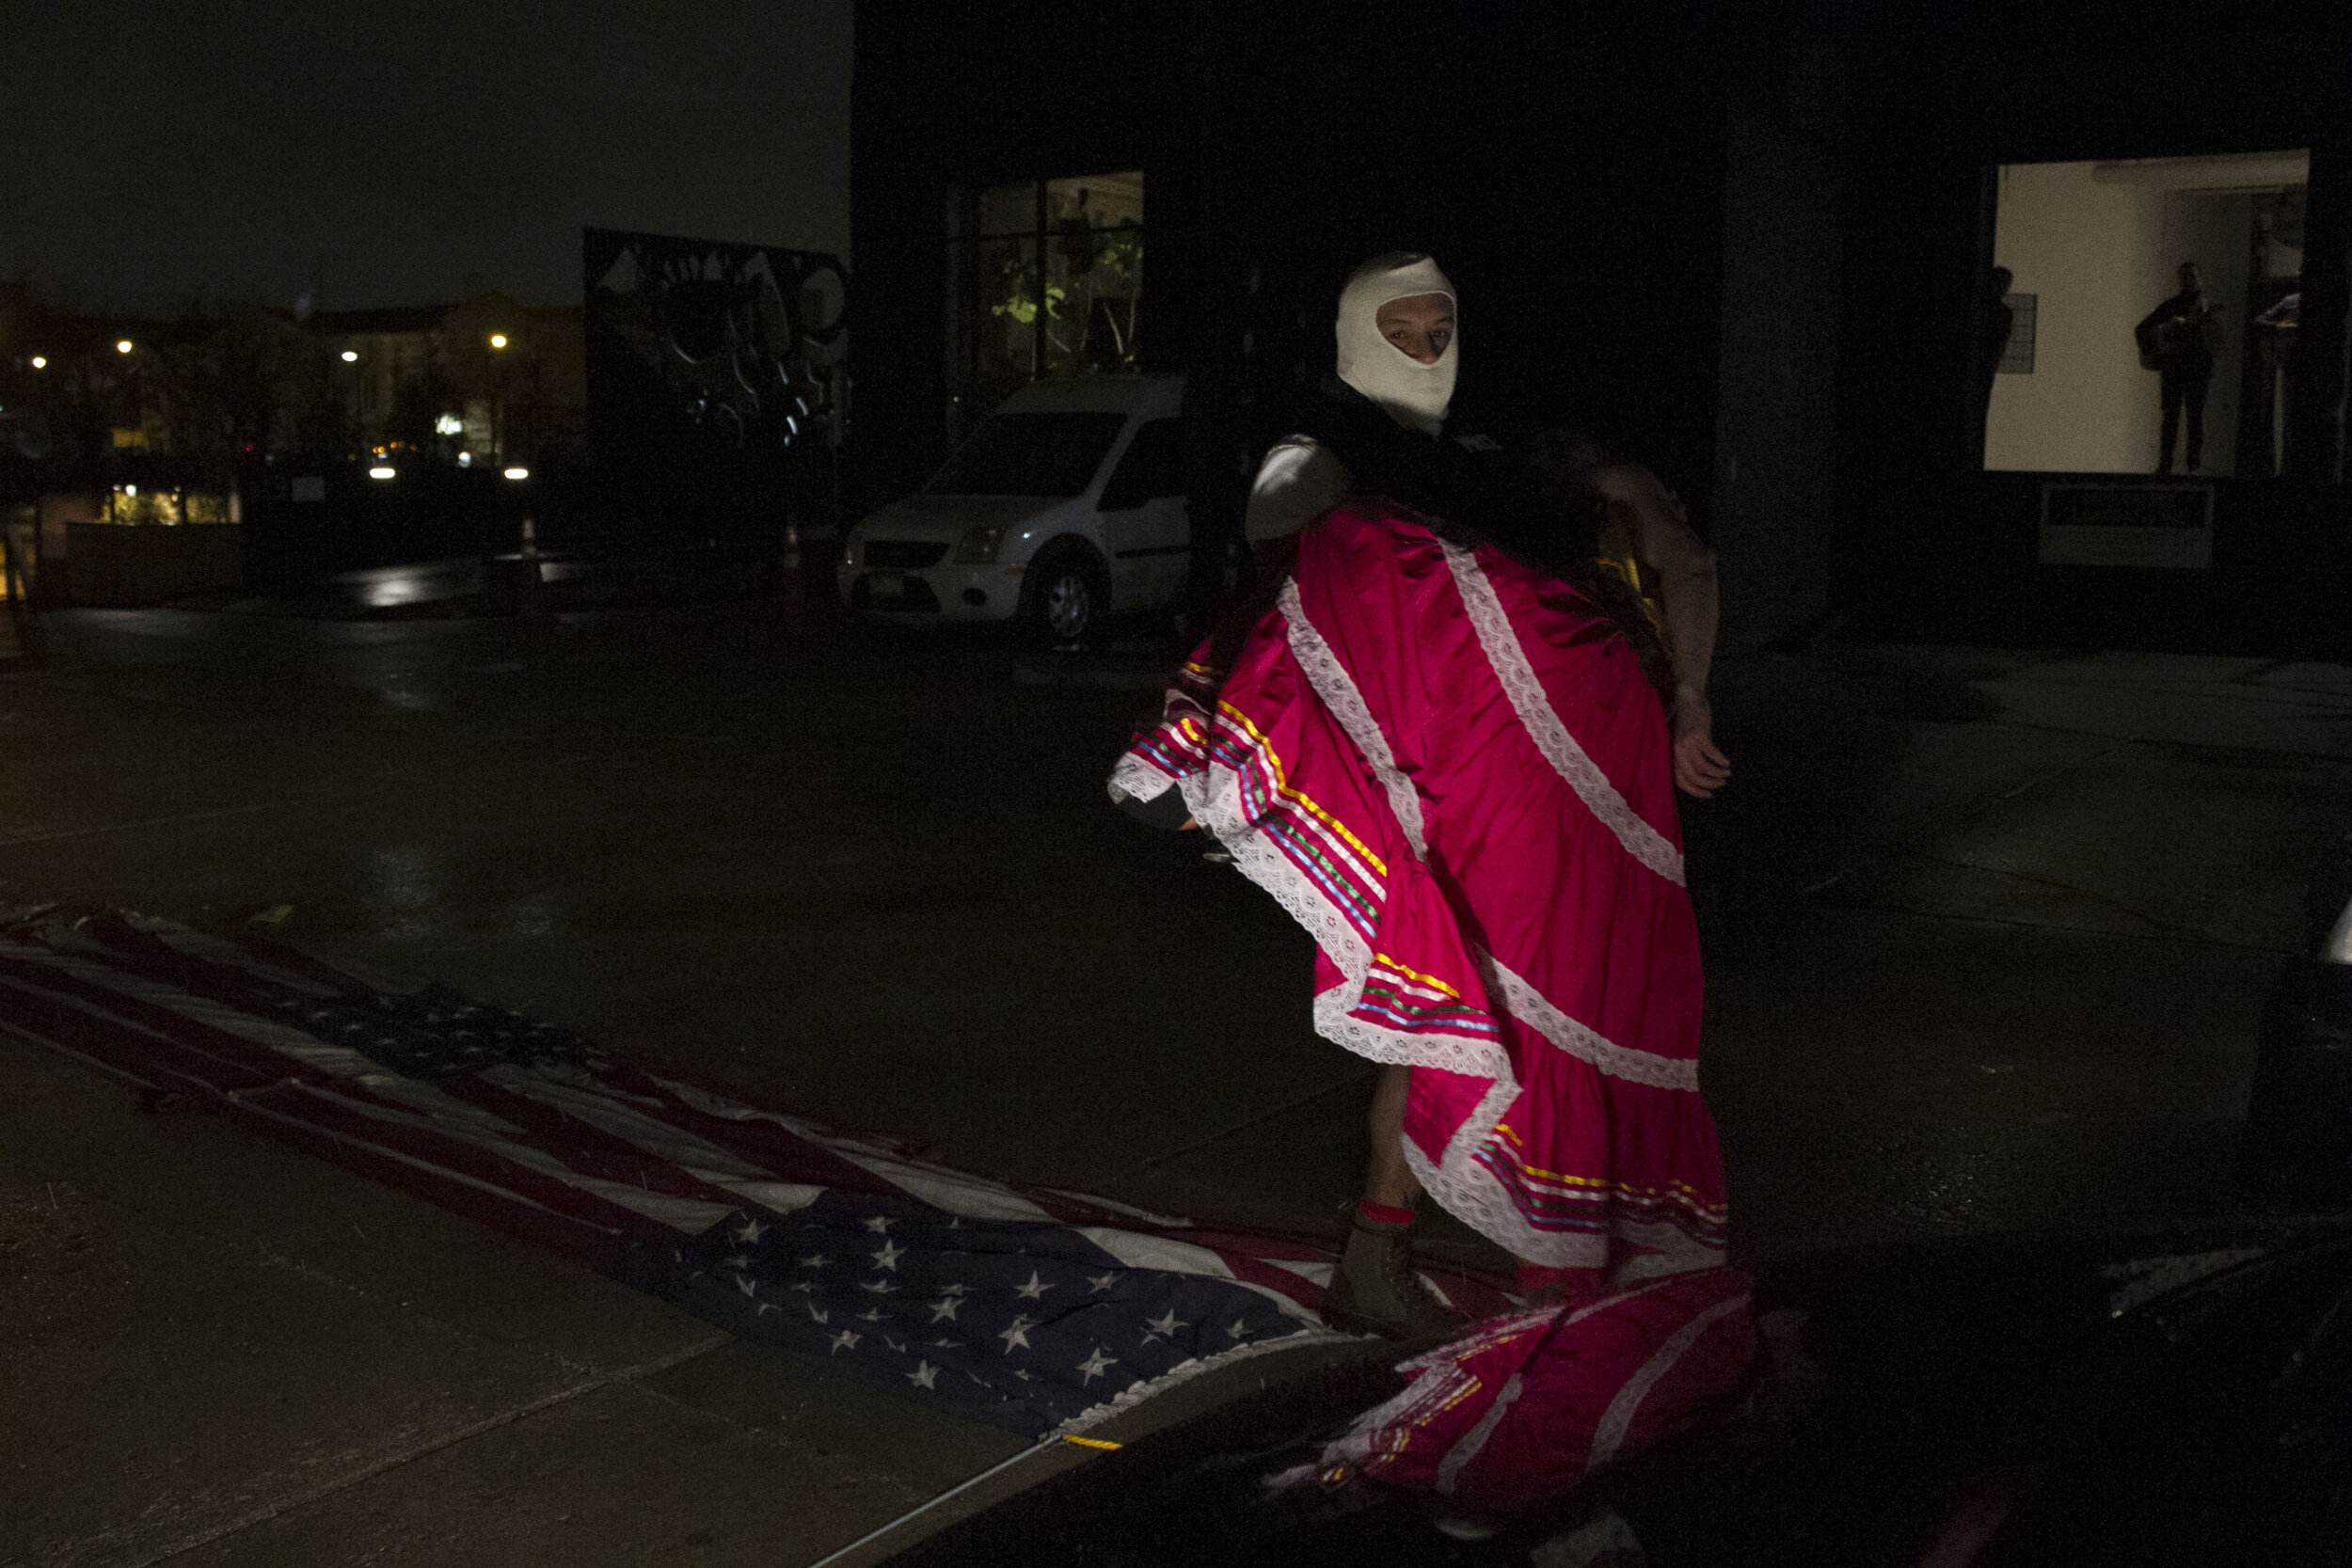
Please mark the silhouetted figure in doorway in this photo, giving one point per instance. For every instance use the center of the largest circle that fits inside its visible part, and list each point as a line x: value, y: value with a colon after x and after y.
x: 1990, y: 325
x: 2180, y: 341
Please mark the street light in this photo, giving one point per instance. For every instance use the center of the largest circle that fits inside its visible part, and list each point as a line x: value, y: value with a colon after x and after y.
x: 122, y: 346
x: 40, y: 363
x: 498, y: 339
x: 381, y: 471
x: 351, y: 357
x: 518, y: 473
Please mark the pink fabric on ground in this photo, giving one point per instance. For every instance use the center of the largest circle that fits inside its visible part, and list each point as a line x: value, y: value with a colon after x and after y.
x: 1523, y: 1408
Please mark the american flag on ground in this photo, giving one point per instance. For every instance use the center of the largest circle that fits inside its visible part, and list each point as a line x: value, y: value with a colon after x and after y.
x: 1032, y: 1310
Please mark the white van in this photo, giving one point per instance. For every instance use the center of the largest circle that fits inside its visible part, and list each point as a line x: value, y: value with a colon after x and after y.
x: 1065, y: 506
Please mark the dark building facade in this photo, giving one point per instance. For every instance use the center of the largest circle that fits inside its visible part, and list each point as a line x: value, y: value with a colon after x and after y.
x: 1748, y: 246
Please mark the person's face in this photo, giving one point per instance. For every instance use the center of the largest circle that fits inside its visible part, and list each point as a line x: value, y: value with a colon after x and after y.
x: 1420, y: 326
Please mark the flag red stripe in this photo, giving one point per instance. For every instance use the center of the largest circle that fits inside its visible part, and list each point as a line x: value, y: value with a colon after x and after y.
x: 767, y: 1143
x: 101, y: 1023
x: 575, y: 1234
x: 164, y: 1008
x: 585, y: 1148
x: 337, y: 1109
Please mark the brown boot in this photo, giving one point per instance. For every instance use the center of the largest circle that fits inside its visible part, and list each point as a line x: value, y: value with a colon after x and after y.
x: 1375, y: 1289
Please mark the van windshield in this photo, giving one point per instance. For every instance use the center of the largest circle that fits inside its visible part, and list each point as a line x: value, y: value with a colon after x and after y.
x: 1030, y: 454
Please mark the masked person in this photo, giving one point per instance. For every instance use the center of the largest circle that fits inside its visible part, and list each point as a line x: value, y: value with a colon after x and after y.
x: 1450, y: 764
x: 1378, y: 422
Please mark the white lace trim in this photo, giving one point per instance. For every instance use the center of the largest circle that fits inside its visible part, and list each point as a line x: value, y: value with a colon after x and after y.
x: 1137, y: 779
x: 1457, y: 1458
x: 1618, y: 1419
x: 1331, y: 682
x: 1667, y: 1249
x: 1441, y: 1376
x: 1531, y: 1007
x: 1466, y: 1189
x: 1477, y: 1197
x: 1337, y: 689
x: 1508, y: 660
x: 1471, y: 1058
x: 1214, y: 797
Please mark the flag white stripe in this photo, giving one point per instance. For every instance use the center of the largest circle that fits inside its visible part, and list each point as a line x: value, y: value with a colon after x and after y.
x: 1169, y: 1255
x: 337, y: 1061
x: 245, y: 1101
x: 972, y: 1197
x: 691, y: 1215
x: 225, y: 955
x: 698, y: 1156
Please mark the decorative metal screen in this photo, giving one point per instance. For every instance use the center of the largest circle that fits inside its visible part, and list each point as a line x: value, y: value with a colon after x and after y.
x: 716, y: 381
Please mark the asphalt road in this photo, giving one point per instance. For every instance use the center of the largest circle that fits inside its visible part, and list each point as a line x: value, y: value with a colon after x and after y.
x: 1988, y: 934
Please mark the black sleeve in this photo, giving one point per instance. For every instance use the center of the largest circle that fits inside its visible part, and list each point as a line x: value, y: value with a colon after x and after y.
x: 1165, y: 811
x: 2146, y: 331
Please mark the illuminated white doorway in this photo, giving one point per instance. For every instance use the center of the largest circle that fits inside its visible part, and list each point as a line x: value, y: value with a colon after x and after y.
x: 2092, y: 249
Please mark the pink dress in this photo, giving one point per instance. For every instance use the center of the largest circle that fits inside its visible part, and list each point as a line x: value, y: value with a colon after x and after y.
x: 1452, y: 770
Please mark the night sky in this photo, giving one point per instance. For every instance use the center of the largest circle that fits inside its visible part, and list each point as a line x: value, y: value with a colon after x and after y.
x: 158, y: 150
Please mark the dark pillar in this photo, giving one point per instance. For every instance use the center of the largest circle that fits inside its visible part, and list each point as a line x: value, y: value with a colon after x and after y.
x: 1776, y: 411
x: 2323, y: 354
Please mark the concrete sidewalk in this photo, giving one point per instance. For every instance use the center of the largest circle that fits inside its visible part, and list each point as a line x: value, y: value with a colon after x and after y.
x: 1988, y: 936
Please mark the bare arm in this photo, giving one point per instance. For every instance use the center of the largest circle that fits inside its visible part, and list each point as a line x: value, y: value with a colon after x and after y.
x: 1683, y: 567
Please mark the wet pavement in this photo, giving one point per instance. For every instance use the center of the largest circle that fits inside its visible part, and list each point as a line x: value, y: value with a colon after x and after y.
x: 1988, y: 936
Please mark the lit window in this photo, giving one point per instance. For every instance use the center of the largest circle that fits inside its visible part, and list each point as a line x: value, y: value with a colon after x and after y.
x: 465, y: 460
x: 518, y: 473
x: 351, y: 357
x: 381, y: 472
x: 1044, y: 278
x: 2134, y: 316
x: 498, y: 339
x: 122, y: 346
x: 448, y: 424
x: 40, y: 363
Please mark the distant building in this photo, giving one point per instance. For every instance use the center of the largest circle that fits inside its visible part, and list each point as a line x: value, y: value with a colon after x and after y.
x: 220, y: 418
x: 1748, y: 243
x: 479, y: 381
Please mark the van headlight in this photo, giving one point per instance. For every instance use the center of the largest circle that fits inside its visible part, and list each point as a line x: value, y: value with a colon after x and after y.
x: 979, y: 546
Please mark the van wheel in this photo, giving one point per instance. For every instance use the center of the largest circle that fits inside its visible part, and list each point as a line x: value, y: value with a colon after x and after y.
x: 1068, y: 596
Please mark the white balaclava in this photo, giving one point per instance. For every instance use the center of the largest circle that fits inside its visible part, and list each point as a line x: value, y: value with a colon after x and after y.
x: 1415, y: 395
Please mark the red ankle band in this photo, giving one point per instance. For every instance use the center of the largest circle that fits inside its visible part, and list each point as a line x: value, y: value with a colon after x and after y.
x: 1382, y: 1213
